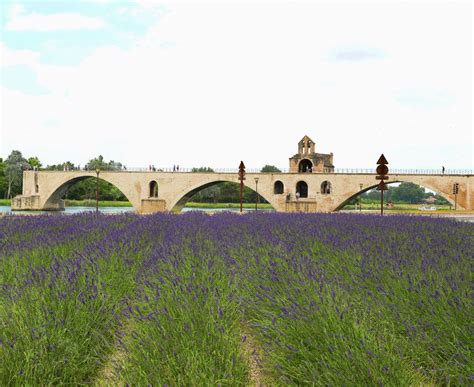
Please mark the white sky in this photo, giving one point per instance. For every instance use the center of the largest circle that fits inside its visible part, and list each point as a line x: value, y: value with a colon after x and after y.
x: 214, y: 83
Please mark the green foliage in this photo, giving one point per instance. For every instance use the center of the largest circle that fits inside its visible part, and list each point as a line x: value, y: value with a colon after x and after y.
x: 85, y: 189
x: 439, y: 199
x: 404, y: 193
x: 3, y: 180
x: 226, y: 192
x: 213, y: 300
x: 227, y: 205
x: 202, y: 170
x: 15, y: 164
x: 270, y: 168
x: 92, y: 203
x: 66, y: 166
x: 34, y: 162
x: 100, y: 163
x: 409, y: 193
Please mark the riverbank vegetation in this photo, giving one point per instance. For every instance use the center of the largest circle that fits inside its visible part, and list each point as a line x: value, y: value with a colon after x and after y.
x: 275, y: 299
x: 265, y: 206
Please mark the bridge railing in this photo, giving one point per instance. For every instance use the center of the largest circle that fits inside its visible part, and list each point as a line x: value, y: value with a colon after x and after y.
x: 397, y: 171
x: 393, y: 171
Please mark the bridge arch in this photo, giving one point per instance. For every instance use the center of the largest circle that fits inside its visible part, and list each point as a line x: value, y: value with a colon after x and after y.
x: 54, y: 196
x: 178, y: 203
x: 371, y: 187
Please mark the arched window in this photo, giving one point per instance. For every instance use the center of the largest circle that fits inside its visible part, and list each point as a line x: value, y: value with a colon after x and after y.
x: 302, y: 189
x: 326, y: 187
x: 278, y: 187
x: 153, y: 189
x: 305, y: 165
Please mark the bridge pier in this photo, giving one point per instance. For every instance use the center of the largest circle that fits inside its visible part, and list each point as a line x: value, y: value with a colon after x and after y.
x: 151, y: 205
x: 33, y: 203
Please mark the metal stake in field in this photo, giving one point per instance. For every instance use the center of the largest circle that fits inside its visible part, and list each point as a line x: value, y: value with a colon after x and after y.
x: 241, y: 178
x: 256, y: 193
x: 97, y: 171
x: 382, y: 171
x: 455, y: 192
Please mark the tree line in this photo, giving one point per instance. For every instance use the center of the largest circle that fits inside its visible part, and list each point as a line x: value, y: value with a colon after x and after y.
x: 405, y: 193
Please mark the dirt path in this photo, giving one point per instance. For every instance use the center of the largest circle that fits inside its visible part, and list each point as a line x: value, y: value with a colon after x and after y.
x: 109, y: 375
x: 252, y: 353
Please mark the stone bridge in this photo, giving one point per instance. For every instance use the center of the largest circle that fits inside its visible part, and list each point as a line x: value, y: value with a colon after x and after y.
x: 166, y: 191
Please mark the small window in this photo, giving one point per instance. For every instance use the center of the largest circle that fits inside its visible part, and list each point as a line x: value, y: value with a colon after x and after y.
x: 326, y: 187
x: 278, y: 188
x: 153, y: 189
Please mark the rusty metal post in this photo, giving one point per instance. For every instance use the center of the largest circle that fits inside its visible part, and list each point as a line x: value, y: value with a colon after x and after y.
x: 382, y: 171
x: 381, y: 202
x: 455, y: 192
x: 241, y: 178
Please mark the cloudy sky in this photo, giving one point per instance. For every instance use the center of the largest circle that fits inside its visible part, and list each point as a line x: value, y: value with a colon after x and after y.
x: 210, y: 84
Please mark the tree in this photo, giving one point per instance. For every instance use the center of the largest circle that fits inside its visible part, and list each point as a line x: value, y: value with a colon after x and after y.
x: 85, y: 189
x: 99, y: 163
x: 408, y: 192
x: 270, y: 168
x: 34, y: 163
x: 15, y: 164
x: 66, y: 166
x: 202, y: 169
x: 439, y: 199
x: 3, y: 180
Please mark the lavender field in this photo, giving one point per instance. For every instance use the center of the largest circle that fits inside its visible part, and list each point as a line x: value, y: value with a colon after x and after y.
x: 272, y: 299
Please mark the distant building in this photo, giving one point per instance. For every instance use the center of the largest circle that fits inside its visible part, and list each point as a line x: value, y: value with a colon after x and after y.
x: 430, y: 200
x: 307, y: 161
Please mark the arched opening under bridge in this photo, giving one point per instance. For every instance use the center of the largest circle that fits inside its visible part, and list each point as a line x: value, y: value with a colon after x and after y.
x: 79, y: 194
x: 221, y: 196
x: 400, y: 196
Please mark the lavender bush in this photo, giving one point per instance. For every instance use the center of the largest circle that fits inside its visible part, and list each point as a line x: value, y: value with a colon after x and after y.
x: 176, y: 299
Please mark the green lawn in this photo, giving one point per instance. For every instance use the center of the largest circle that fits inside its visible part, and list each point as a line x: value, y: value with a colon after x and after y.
x: 227, y: 205
x: 102, y: 203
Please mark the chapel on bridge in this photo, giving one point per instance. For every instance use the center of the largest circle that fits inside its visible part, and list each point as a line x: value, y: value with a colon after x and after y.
x: 307, y: 161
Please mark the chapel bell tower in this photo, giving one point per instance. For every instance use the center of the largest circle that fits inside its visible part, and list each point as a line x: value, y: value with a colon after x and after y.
x: 308, y: 161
